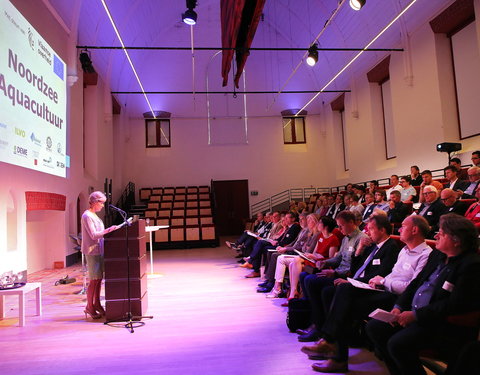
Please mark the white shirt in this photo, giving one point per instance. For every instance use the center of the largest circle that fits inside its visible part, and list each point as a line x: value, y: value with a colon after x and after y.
x: 397, y: 187
x: 408, y: 266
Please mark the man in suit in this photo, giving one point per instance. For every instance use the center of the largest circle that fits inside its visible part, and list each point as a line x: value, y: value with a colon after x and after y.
x: 350, y: 303
x: 427, y: 312
x: 398, y: 210
x: 476, y: 158
x: 369, y: 207
x: 432, y: 208
x: 261, y: 247
x: 337, y: 207
x: 454, y: 182
x: 474, y: 182
x: 450, y: 199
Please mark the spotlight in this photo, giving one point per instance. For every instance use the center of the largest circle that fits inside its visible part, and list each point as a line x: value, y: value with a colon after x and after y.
x: 312, y: 55
x: 357, y: 4
x: 190, y: 16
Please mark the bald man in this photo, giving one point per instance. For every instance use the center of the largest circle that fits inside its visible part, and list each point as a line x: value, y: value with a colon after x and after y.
x: 450, y: 199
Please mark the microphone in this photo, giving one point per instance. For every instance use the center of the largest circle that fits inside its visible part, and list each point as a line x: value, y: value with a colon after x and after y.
x: 116, y: 208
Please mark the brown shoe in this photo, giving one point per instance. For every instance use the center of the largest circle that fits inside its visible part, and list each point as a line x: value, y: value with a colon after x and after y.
x: 252, y: 275
x: 322, y: 348
x: 331, y: 365
x: 246, y: 265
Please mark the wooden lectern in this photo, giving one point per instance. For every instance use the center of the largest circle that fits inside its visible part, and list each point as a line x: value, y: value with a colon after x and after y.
x: 116, y: 277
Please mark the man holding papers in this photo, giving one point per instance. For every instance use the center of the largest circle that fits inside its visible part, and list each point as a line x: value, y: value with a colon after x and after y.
x: 350, y: 303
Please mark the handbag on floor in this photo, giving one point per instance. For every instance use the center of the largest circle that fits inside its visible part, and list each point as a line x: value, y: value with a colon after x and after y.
x: 298, y: 315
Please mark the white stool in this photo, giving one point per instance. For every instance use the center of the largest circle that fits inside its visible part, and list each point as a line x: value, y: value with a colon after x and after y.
x: 21, y: 300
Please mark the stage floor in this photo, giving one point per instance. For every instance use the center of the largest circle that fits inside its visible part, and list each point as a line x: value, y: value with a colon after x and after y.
x: 207, y: 320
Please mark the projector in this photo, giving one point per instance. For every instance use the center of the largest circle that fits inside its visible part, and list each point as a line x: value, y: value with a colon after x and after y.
x: 449, y: 147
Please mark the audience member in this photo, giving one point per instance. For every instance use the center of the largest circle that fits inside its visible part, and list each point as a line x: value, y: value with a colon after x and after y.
x: 427, y: 181
x: 369, y: 206
x: 454, y: 182
x: 408, y: 192
x: 395, y: 184
x: 474, y: 182
x: 461, y: 173
x: 381, y: 200
x: 476, y: 158
x: 448, y: 285
x: 289, y: 259
x: 450, y: 199
x: 359, y: 191
x: 432, y: 208
x: 259, y: 227
x: 473, y: 212
x: 328, y: 242
x: 372, y: 186
x: 415, y: 176
x: 337, y: 207
x: 398, y: 210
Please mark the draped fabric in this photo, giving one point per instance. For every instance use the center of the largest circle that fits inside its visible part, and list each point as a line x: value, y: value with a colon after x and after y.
x: 239, y: 20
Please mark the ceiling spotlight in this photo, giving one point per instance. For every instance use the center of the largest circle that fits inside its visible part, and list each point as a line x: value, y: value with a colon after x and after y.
x: 190, y: 16
x: 357, y: 4
x: 312, y: 55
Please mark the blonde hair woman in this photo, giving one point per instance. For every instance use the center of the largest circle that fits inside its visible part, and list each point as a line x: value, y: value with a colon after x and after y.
x: 289, y: 260
x: 93, y: 231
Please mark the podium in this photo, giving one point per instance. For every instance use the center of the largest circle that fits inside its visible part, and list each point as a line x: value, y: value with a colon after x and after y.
x: 116, y: 277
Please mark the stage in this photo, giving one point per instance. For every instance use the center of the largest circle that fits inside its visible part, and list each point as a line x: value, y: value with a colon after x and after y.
x: 207, y: 320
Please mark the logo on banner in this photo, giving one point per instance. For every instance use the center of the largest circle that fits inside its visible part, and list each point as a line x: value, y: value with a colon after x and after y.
x: 58, y: 67
x: 49, y: 144
x: 20, y: 132
x: 35, y: 140
x: 17, y: 150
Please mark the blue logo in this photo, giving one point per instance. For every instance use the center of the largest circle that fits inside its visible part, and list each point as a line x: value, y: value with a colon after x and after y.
x: 58, y: 67
x: 35, y: 140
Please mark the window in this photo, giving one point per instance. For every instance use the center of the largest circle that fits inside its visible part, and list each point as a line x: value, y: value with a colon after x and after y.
x: 157, y: 132
x: 294, y: 130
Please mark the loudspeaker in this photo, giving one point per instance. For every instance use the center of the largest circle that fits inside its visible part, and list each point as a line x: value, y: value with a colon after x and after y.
x: 449, y: 147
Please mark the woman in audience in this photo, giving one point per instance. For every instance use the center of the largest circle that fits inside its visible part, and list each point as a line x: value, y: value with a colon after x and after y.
x: 290, y: 256
x: 328, y: 243
x: 408, y: 192
x: 93, y: 231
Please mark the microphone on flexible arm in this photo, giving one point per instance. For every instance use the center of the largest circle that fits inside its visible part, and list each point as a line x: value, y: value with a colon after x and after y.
x: 120, y: 211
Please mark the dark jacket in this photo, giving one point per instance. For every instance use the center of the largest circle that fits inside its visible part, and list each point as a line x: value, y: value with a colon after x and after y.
x: 457, y: 290
x: 398, y: 213
x: 458, y: 208
x: 290, y: 235
x: 433, y: 214
x: 381, y: 264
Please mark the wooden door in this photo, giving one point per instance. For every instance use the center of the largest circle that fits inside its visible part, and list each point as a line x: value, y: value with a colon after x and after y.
x: 231, y: 206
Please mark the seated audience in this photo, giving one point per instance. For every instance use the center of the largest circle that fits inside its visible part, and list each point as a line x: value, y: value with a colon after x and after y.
x: 448, y: 286
x: 331, y: 269
x: 454, y: 182
x: 328, y: 243
x: 299, y: 243
x: 432, y: 208
x: 355, y: 206
x: 428, y: 181
x: 289, y: 235
x: 473, y: 212
x: 408, y: 192
x: 398, y: 210
x: 369, y: 207
x: 372, y: 186
x: 474, y: 181
x: 461, y: 173
x: 260, y: 226
x: 395, y: 184
x: 450, y: 199
x: 337, y: 207
x: 416, y: 177
x: 359, y: 191
x: 381, y: 200
x: 288, y: 259
x: 350, y: 303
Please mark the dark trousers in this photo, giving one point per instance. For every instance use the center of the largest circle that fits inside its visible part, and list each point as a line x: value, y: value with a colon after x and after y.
x: 271, y: 266
x: 343, y: 305
x: 259, y: 251
x: 313, y: 286
x: 400, y: 346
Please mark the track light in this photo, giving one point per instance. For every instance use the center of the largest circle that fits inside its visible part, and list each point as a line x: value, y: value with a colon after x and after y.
x: 312, y: 55
x: 190, y: 16
x: 357, y: 4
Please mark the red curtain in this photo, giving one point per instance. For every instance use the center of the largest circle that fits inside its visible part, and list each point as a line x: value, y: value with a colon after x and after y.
x: 239, y: 20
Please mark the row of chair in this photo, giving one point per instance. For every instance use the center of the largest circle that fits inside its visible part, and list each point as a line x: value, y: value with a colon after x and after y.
x: 186, y: 192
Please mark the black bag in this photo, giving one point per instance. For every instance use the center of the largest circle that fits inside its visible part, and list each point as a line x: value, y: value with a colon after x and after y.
x: 298, y: 315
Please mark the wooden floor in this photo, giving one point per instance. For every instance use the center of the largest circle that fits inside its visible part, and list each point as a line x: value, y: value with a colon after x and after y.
x: 207, y: 320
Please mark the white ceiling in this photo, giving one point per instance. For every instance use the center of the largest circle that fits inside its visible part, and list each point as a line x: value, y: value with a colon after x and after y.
x: 286, y: 23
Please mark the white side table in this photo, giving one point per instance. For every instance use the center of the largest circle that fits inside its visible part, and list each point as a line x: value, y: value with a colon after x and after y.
x: 20, y: 292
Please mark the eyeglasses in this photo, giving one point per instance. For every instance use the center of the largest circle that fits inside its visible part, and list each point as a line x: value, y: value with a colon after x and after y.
x: 429, y: 192
x: 446, y: 199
